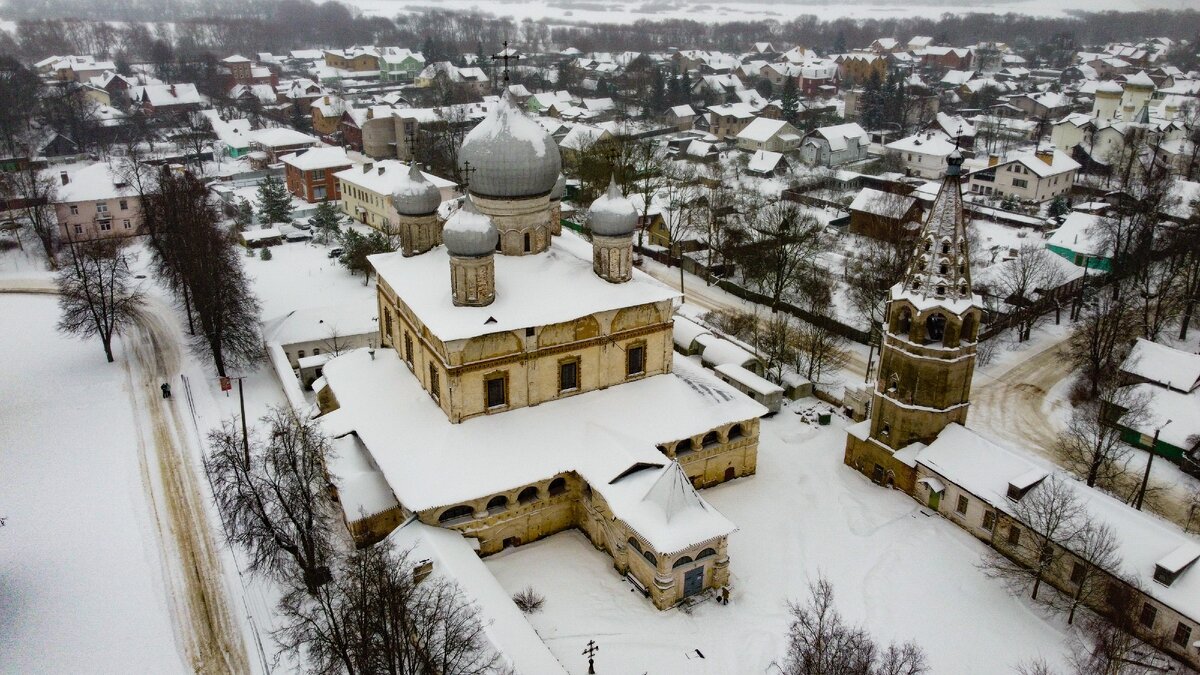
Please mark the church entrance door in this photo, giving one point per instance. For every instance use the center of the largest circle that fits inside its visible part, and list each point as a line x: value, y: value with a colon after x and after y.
x: 693, y: 582
x: 935, y: 498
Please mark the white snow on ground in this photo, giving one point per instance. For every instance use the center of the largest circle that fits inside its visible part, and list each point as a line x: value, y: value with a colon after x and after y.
x: 904, y: 574
x: 302, y: 275
x: 81, y: 586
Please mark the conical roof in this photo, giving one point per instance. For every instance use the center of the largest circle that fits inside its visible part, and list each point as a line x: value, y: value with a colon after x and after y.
x: 940, y: 268
x: 673, y: 493
x: 612, y: 214
x: 415, y: 195
x: 509, y: 155
x: 469, y: 233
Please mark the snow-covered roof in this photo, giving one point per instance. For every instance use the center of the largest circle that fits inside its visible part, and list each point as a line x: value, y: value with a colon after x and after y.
x: 764, y: 161
x: 317, y: 158
x: 160, y: 95
x: 763, y: 129
x: 314, y: 324
x: 685, y: 332
x: 838, y: 135
x: 599, y: 434
x: 384, y: 176
x: 277, y: 137
x: 536, y: 290
x: 957, y: 77
x: 1082, y: 233
x: 683, y: 111
x: 362, y: 489
x: 506, y: 628
x: 880, y: 203
x: 1143, y: 539
x: 261, y: 234
x: 718, y: 351
x: 86, y: 182
x: 1161, y: 364
x: 1141, y: 79
x: 926, y: 143
x: 749, y: 379
x: 582, y: 136
x: 1060, y: 162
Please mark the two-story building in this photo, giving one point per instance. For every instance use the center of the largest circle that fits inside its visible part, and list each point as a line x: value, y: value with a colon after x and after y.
x: 311, y: 173
x: 94, y: 202
x: 923, y: 154
x: 835, y: 145
x: 1032, y: 177
x: 366, y: 191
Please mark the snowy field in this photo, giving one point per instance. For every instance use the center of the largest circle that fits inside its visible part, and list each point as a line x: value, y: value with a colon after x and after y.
x: 594, y: 11
x: 905, y: 574
x: 81, y: 581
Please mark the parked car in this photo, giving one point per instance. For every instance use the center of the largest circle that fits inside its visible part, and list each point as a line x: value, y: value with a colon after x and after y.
x: 336, y: 252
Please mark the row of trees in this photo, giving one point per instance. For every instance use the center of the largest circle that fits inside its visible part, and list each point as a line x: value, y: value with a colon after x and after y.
x: 369, y: 610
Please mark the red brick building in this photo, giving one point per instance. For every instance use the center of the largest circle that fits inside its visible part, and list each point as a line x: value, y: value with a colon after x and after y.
x: 310, y: 173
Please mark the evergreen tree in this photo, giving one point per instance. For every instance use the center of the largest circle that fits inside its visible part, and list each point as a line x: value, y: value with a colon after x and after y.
x: 685, y: 88
x: 243, y: 217
x: 1059, y: 206
x: 274, y: 201
x: 658, y: 92
x: 790, y: 100
x: 839, y: 43
x: 871, y: 101
x: 325, y: 222
x: 300, y: 121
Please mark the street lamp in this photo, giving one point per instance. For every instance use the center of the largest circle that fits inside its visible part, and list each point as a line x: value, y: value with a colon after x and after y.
x: 1149, y: 461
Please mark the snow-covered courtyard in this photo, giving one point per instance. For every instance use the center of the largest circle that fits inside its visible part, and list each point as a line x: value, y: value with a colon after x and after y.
x: 896, y: 568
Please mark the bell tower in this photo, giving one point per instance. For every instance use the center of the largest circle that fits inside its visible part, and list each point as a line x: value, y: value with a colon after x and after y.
x: 927, y: 357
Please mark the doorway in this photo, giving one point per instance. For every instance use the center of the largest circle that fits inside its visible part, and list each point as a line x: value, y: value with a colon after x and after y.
x: 935, y: 499
x: 693, y: 582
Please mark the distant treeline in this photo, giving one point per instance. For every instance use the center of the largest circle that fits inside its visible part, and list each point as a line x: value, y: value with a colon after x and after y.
x: 139, y: 30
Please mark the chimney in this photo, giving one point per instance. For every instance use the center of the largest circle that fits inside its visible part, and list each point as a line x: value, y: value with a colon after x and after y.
x: 1046, y: 156
x: 993, y: 160
x: 381, y: 170
x: 370, y: 113
x: 367, y: 167
x: 326, y: 100
x: 63, y: 177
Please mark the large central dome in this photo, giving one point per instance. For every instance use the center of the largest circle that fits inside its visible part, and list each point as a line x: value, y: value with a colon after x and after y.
x: 511, y: 156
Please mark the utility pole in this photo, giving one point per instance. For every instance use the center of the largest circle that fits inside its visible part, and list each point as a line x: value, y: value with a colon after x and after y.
x: 245, y: 433
x: 1141, y: 495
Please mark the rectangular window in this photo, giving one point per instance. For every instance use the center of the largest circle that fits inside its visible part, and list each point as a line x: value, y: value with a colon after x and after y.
x: 408, y: 349
x: 1183, y: 634
x: 961, y: 506
x: 989, y: 520
x: 319, y: 193
x: 124, y: 205
x: 1149, y: 614
x: 1020, y: 183
x: 101, y: 207
x: 78, y: 229
x: 106, y: 226
x: 126, y: 223
x: 497, y: 391
x: 568, y: 375
x: 434, y: 384
x: 1014, y: 535
x: 635, y: 360
x: 318, y: 174
x: 74, y: 210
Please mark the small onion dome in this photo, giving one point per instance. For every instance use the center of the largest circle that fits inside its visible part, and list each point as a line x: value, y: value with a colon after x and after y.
x: 612, y: 215
x: 469, y: 233
x: 415, y: 195
x: 954, y: 163
x: 560, y: 186
x: 510, y: 155
x: 1110, y: 87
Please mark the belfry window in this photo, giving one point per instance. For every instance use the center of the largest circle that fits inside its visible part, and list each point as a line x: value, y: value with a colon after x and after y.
x: 935, y: 326
x: 528, y: 243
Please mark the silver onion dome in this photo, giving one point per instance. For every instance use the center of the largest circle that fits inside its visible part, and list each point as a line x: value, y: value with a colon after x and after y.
x: 469, y: 233
x: 509, y: 155
x: 612, y: 214
x: 560, y: 186
x: 415, y: 195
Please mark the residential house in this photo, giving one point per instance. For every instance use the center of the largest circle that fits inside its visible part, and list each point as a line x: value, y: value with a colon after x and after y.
x: 768, y: 134
x: 1045, y: 104
x: 945, y: 57
x: 859, y: 66
x: 310, y: 173
x: 275, y: 142
x: 1083, y: 239
x: 92, y: 202
x: 884, y: 215
x: 359, y: 60
x: 1031, y: 177
x: 161, y: 99
x: 766, y: 164
x: 923, y: 154
x: 366, y: 191
x: 729, y: 120
x: 682, y: 117
x: 1165, y: 382
x: 400, y: 65
x: 834, y: 145
x: 327, y: 114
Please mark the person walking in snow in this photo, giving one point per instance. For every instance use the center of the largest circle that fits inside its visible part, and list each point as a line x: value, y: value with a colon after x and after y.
x: 166, y: 390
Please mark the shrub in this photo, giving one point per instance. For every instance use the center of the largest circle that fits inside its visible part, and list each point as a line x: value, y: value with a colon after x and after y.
x: 528, y: 600
x: 265, y: 254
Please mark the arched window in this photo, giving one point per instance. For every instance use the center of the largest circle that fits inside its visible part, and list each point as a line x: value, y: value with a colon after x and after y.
x: 945, y: 246
x: 706, y: 553
x: 736, y: 432
x: 683, y: 447
x: 943, y: 269
x: 935, y: 326
x: 904, y: 321
x: 558, y: 486
x: 456, y: 514
x: 928, y: 244
x: 941, y: 290
x: 497, y: 504
x: 528, y: 495
x: 633, y: 544
x: 711, y: 439
x: 683, y: 560
x: 886, y: 430
x: 968, y: 327
x: 893, y: 382
x: 650, y: 558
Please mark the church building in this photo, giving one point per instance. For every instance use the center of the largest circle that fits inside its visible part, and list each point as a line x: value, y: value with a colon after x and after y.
x: 526, y: 383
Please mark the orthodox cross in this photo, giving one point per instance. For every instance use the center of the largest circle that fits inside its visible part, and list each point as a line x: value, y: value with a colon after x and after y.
x: 410, y: 140
x: 505, y: 57
x: 464, y: 174
x: 590, y: 652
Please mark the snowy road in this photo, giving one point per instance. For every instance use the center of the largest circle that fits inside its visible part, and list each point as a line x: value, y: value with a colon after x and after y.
x: 205, y: 628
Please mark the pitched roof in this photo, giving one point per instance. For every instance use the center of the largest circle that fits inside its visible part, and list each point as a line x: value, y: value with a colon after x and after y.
x: 1158, y: 363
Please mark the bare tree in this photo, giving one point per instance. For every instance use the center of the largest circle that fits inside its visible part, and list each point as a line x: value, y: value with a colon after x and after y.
x: 95, y: 292
x: 779, y: 343
x: 273, y: 496
x: 1091, y: 445
x: 1095, y: 548
x: 821, y: 643
x: 820, y: 351
x: 381, y: 614
x: 1104, y: 328
x: 33, y: 194
x: 785, y: 239
x: 1025, y: 281
x: 1048, y: 518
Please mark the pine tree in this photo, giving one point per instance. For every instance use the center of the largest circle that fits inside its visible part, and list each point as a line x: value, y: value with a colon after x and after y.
x: 790, y: 100
x: 685, y: 88
x: 839, y: 43
x: 872, y: 95
x: 325, y: 222
x: 300, y: 121
x: 274, y: 201
x: 243, y: 217
x: 658, y: 92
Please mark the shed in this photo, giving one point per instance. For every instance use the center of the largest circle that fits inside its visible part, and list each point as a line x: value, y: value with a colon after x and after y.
x: 269, y: 236
x: 762, y: 390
